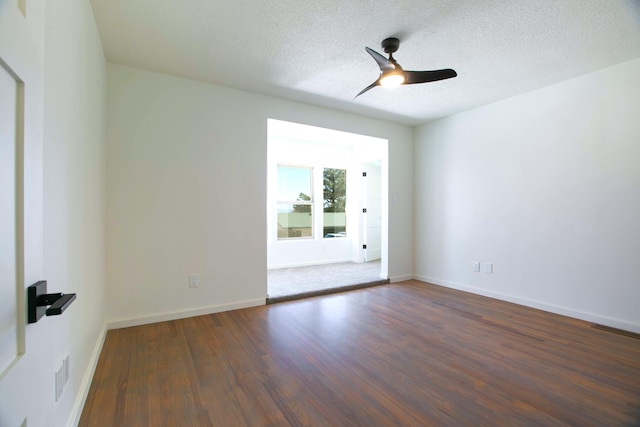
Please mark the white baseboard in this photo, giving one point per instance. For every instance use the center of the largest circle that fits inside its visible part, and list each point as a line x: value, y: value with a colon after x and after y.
x: 396, y: 279
x: 85, y: 385
x: 175, y: 315
x: 565, y: 311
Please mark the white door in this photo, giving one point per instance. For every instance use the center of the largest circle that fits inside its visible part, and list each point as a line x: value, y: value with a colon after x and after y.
x: 10, y: 328
x: 21, y: 209
x: 372, y: 218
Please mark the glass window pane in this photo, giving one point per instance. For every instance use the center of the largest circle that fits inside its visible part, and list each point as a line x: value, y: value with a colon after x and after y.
x: 334, y: 202
x: 294, y: 221
x: 294, y: 183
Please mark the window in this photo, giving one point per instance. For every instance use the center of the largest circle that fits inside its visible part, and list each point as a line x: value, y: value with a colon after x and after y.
x: 295, y: 202
x: 335, y: 200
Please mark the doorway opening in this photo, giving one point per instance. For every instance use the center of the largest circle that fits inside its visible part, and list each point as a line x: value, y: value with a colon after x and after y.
x: 327, y: 207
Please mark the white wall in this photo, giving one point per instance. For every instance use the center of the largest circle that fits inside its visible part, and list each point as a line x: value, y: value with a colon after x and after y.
x: 60, y: 57
x: 75, y: 193
x: 546, y: 186
x: 186, y: 173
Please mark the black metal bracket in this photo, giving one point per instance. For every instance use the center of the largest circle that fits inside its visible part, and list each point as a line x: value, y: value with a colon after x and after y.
x: 38, y: 300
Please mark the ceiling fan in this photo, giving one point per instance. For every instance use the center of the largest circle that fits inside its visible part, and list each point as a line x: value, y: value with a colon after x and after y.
x: 392, y: 74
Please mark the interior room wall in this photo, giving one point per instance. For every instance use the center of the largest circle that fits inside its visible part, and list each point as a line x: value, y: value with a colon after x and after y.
x: 186, y: 193
x: 545, y: 186
x: 75, y: 193
x: 64, y: 193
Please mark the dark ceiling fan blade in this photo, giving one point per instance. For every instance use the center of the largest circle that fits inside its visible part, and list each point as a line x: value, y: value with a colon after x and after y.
x: 383, y: 63
x: 371, y: 86
x: 412, y: 77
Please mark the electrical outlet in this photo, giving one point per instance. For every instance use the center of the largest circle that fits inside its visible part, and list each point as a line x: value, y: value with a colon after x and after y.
x: 476, y: 266
x: 487, y: 267
x: 193, y: 280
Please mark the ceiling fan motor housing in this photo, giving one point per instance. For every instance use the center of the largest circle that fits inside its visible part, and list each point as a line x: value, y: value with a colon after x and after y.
x: 390, y: 45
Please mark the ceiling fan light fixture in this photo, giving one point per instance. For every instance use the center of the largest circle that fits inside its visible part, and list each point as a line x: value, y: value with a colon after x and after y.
x: 392, y: 79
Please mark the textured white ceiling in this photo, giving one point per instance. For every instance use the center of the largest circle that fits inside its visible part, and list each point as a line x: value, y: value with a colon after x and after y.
x: 313, y: 51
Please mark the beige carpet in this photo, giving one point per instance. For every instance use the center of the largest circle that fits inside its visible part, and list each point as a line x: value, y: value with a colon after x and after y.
x: 285, y: 283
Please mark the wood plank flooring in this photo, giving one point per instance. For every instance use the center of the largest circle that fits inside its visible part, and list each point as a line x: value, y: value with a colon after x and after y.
x: 407, y: 354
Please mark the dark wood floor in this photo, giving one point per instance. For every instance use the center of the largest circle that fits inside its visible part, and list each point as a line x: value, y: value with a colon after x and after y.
x: 407, y: 354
